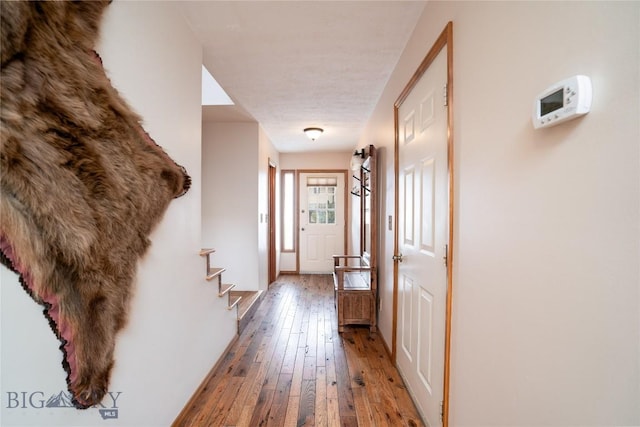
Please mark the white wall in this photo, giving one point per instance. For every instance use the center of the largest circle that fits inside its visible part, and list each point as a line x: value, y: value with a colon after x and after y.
x: 177, y: 327
x: 235, y: 162
x: 546, y: 325
x: 230, y: 213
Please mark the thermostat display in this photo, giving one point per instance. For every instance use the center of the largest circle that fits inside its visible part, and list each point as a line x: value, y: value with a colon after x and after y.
x: 565, y: 100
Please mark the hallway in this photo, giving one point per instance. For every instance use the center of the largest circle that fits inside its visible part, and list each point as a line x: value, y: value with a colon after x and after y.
x: 290, y: 367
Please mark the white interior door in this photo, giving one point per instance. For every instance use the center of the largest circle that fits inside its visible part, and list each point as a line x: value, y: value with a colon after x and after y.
x: 321, y: 220
x: 423, y: 236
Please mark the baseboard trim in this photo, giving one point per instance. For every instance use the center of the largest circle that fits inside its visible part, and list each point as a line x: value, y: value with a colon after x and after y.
x: 386, y: 347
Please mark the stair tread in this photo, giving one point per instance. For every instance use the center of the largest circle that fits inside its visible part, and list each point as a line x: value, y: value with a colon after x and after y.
x: 224, y: 288
x: 250, y: 298
x: 214, y: 272
x: 234, y: 301
x: 206, y: 251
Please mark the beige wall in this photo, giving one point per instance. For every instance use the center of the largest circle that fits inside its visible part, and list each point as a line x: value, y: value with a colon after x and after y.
x: 315, y: 161
x: 235, y: 159
x: 267, y: 155
x: 230, y: 215
x: 546, y: 325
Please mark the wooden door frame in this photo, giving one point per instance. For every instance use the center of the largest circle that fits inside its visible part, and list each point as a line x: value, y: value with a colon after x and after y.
x: 346, y: 207
x: 444, y: 40
x: 271, y: 223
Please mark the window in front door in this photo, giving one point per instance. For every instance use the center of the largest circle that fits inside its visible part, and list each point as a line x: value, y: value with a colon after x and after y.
x: 321, y: 202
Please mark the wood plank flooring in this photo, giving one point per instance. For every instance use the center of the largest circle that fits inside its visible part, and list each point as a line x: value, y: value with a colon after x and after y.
x: 290, y: 367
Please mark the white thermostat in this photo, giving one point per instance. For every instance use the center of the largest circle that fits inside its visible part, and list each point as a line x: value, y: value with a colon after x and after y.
x: 565, y: 100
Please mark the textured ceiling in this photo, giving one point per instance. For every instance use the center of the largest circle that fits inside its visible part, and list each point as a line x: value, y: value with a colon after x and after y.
x: 296, y: 64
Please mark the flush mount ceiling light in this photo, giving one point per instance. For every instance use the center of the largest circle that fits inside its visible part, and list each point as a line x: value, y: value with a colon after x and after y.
x: 313, y: 133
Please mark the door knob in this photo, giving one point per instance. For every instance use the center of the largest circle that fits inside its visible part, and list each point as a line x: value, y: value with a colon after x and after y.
x: 398, y: 258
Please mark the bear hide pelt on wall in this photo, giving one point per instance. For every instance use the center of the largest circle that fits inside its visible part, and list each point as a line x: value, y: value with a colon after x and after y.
x: 82, y: 184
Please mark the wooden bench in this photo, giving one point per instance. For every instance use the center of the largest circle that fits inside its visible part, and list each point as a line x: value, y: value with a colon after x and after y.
x: 354, y: 294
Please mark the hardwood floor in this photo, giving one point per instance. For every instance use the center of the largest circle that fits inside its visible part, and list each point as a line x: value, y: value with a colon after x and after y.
x: 290, y: 367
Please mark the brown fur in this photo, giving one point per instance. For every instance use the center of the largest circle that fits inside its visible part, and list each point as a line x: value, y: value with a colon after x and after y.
x: 82, y: 184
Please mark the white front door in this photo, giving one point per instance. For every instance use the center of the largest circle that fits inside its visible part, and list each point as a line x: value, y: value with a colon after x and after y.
x: 422, y: 239
x: 321, y: 220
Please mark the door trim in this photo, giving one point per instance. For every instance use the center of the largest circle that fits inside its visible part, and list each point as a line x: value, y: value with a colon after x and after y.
x: 271, y: 224
x: 444, y: 40
x: 346, y: 207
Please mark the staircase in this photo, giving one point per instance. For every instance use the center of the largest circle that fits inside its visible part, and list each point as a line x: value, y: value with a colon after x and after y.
x: 245, y: 302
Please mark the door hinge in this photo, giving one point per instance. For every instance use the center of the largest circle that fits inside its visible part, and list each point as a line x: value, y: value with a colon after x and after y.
x: 441, y: 410
x: 445, y: 95
x: 446, y: 255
